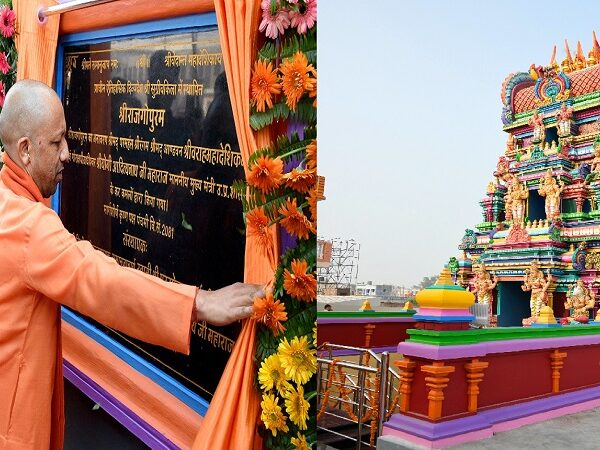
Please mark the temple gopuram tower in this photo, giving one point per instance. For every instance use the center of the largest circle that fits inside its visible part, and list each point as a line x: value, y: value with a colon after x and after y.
x: 539, y: 241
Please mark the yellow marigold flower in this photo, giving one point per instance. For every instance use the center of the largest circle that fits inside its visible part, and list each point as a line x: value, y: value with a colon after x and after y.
x: 297, y: 407
x: 271, y: 375
x: 264, y: 85
x: 298, y: 360
x: 300, y: 443
x: 271, y: 414
x: 296, y: 79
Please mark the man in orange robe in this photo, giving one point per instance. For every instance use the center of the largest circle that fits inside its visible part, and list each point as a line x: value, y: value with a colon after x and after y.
x: 43, y: 266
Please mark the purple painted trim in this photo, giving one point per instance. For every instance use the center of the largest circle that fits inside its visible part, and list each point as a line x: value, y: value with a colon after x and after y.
x: 337, y: 320
x: 492, y: 417
x: 443, y: 319
x: 390, y: 348
x: 441, y: 443
x: 436, y: 352
x: 444, y: 312
x: 115, y: 408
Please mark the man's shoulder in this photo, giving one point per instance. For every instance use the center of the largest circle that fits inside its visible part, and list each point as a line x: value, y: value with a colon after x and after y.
x: 17, y: 209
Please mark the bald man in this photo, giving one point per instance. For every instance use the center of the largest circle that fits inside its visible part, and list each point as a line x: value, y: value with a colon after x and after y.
x: 43, y: 266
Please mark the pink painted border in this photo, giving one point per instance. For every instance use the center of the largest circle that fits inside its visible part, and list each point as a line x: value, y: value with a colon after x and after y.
x: 444, y: 312
x: 440, y: 443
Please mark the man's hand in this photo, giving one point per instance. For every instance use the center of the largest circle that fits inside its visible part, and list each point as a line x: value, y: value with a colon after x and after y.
x: 226, y: 305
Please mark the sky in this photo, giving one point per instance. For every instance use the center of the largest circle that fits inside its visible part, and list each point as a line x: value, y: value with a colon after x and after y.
x: 409, y: 117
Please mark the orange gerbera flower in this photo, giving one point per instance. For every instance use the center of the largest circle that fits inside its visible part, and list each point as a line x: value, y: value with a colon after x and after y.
x: 312, y: 203
x: 264, y: 85
x: 266, y: 174
x: 313, y: 93
x: 300, y: 180
x: 257, y: 224
x: 300, y: 284
x: 270, y: 312
x: 294, y: 221
x: 311, y: 155
x: 296, y: 79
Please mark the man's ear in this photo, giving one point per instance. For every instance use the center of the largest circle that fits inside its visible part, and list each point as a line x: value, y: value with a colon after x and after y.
x: 23, y: 148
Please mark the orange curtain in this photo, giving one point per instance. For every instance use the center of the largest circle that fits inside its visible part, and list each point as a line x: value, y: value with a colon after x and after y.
x: 36, y: 43
x: 230, y: 423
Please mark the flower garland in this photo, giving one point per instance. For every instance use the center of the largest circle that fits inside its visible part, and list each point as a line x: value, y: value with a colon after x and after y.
x: 281, y: 189
x: 8, y: 51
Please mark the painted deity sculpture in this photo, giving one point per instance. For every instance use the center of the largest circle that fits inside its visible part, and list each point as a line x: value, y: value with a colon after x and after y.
x: 549, y: 188
x: 483, y: 285
x: 501, y: 172
x: 539, y: 131
x: 538, y: 284
x: 453, y: 267
x: 564, y: 118
x: 579, y: 300
x: 596, y: 161
x: 515, y: 198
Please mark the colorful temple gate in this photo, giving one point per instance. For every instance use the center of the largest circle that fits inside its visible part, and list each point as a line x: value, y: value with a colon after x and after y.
x: 533, y: 261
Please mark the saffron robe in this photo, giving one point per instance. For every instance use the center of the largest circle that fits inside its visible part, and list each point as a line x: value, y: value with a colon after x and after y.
x: 41, y: 267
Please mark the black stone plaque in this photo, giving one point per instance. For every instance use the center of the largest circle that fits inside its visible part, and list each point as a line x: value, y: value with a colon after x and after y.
x: 154, y: 154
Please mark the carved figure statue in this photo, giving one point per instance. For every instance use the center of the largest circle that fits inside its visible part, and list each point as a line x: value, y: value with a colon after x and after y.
x: 538, y: 284
x: 483, y: 285
x: 549, y: 188
x: 453, y: 267
x: 502, y: 168
x: 539, y: 131
x: 563, y: 120
x: 596, y: 160
x: 515, y: 198
x: 580, y: 299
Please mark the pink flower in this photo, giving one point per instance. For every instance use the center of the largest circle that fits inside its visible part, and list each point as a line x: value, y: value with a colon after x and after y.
x: 304, y: 19
x: 4, y: 65
x: 2, y: 94
x: 7, y: 21
x: 274, y: 22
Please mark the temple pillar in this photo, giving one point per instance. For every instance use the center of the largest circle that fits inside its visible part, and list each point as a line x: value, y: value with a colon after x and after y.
x: 437, y: 381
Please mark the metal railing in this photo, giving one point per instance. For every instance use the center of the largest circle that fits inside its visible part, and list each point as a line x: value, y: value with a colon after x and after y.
x: 355, y: 393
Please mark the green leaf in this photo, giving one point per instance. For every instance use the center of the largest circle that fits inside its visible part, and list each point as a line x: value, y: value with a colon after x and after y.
x: 266, y: 346
x: 305, y: 111
x: 259, y: 120
x: 301, y: 324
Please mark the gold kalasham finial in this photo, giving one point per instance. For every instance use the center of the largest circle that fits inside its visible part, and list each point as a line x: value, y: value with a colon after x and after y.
x: 546, y: 316
x: 579, y: 57
x: 366, y: 306
x: 594, y: 55
x: 445, y: 278
x: 553, y: 64
x: 567, y: 63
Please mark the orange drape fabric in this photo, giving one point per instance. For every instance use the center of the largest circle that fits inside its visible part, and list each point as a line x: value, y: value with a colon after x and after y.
x: 36, y: 44
x: 230, y: 423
